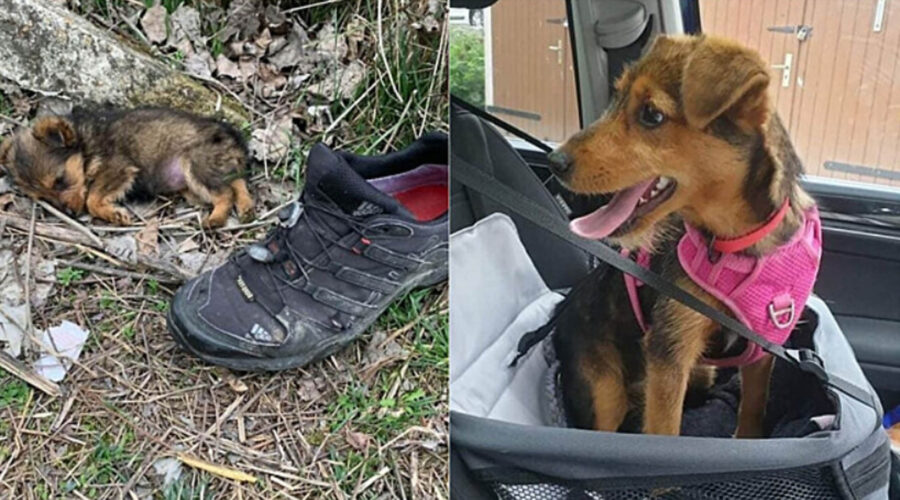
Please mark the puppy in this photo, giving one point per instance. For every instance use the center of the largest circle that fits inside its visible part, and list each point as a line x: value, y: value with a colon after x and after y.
x: 690, y: 139
x: 94, y: 158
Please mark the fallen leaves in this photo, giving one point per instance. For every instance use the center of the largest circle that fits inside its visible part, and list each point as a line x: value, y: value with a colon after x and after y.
x: 272, y: 143
x: 358, y: 440
x: 153, y: 23
x: 148, y: 238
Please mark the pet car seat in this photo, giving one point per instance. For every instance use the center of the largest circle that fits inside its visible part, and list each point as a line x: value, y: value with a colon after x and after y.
x: 509, y: 435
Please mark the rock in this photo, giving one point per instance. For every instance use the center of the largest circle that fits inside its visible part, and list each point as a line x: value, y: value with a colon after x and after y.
x: 48, y: 49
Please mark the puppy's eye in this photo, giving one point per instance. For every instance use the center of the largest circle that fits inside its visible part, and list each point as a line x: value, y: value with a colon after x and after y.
x: 651, y: 117
x: 60, y: 184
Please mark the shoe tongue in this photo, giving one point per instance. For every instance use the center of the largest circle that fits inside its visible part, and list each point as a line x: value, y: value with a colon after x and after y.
x: 329, y: 173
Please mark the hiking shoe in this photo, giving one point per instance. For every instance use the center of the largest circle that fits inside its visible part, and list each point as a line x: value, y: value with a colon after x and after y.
x: 364, y: 232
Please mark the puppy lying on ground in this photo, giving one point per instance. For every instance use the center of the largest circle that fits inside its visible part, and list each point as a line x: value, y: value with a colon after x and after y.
x: 94, y: 158
x: 706, y: 193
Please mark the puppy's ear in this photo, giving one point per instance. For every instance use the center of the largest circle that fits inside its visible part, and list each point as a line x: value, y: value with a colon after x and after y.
x: 54, y: 131
x: 721, y: 76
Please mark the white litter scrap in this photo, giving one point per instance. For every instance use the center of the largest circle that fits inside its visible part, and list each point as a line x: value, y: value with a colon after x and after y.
x: 12, y: 320
x: 68, y: 339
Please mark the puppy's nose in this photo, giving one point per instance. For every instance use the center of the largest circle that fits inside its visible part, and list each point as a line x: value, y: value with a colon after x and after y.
x: 560, y: 162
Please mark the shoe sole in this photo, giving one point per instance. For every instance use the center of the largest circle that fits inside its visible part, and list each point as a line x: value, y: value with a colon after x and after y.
x: 250, y: 364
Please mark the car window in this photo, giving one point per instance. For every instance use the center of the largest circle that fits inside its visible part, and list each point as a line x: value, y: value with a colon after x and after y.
x: 836, y: 78
x: 517, y: 63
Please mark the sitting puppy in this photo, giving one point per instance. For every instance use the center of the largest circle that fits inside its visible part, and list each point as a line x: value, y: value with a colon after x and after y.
x: 707, y: 194
x: 94, y: 158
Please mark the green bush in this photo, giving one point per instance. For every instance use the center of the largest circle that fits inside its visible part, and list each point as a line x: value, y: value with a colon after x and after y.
x: 467, y: 64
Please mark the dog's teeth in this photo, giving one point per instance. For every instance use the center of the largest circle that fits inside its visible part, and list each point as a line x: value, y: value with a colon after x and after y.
x: 642, y: 201
x: 662, y: 183
x: 654, y: 192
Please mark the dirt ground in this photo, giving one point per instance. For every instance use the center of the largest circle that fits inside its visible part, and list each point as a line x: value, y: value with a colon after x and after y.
x: 135, y: 411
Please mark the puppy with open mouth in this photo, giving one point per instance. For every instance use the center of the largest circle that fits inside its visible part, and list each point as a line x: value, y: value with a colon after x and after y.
x: 705, y: 191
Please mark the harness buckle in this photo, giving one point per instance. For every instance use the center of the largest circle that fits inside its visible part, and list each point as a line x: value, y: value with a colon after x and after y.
x: 810, y: 362
x: 774, y: 314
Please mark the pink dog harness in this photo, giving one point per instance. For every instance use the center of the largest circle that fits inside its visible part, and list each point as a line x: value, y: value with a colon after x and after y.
x: 767, y: 293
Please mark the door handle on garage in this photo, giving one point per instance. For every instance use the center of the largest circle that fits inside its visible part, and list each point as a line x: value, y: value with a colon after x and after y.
x: 559, y: 50
x: 785, y: 69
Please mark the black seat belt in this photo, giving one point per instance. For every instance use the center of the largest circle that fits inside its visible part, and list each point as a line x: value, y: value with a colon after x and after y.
x: 806, y: 359
x: 480, y: 113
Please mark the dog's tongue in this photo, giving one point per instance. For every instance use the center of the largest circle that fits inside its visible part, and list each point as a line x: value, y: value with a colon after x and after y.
x: 602, y: 222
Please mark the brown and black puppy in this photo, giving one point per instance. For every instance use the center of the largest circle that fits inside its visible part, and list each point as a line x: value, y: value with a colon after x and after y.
x: 94, y: 158
x: 690, y: 136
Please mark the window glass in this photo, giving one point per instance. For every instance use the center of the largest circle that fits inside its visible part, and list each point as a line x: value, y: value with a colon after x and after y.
x: 517, y: 63
x: 836, y: 78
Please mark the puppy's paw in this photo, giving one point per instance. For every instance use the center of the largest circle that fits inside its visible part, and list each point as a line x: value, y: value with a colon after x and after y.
x: 247, y: 214
x: 120, y: 216
x: 211, y: 221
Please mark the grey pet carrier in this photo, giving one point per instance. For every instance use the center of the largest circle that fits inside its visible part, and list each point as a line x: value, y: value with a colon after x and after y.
x: 508, y: 434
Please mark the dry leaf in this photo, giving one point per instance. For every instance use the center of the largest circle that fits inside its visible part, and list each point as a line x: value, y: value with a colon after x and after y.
x: 199, y: 64
x: 148, y: 238
x: 124, y: 247
x: 185, y: 22
x: 276, y: 21
x: 243, y: 19
x: 154, y: 24
x: 272, y: 143
x: 263, y: 40
x: 331, y: 45
x: 236, y: 384
x: 309, y: 390
x: 342, y: 83
x: 227, y: 67
x: 188, y: 245
x: 358, y: 440
x: 248, y: 67
x: 292, y: 52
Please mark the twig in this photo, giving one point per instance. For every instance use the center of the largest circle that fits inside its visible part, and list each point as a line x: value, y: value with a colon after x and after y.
x: 347, y: 111
x: 14, y: 366
x: 72, y: 222
x: 109, y: 271
x: 27, y: 286
x: 387, y: 65
x: 216, y: 469
x: 14, y: 121
x: 310, y: 6
x: 369, y: 482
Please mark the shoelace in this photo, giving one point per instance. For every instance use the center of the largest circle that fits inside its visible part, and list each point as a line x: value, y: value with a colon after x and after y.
x: 289, y: 217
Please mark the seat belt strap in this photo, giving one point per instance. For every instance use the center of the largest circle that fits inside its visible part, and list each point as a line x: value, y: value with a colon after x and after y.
x: 480, y: 113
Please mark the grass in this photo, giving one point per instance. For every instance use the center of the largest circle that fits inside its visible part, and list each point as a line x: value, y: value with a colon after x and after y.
x: 369, y: 422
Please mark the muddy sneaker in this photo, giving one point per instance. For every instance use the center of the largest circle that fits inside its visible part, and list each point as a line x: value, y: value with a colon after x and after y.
x: 364, y: 231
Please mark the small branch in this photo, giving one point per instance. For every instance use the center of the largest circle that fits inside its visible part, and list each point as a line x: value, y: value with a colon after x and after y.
x: 109, y: 271
x: 15, y: 367
x: 81, y: 228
